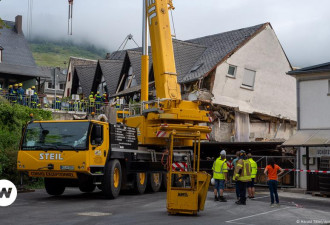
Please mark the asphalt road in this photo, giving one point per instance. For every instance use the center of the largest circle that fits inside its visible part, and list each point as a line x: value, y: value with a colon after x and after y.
x: 75, y: 207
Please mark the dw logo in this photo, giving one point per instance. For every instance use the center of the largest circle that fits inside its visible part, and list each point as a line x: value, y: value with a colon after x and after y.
x: 8, y: 193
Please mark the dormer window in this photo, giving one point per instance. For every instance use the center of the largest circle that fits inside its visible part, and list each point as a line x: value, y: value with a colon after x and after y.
x: 1, y: 49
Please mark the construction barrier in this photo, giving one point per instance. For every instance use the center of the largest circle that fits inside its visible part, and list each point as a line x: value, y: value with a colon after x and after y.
x: 298, y: 170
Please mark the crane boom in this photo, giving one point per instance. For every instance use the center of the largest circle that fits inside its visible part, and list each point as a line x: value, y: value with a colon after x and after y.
x: 162, y: 50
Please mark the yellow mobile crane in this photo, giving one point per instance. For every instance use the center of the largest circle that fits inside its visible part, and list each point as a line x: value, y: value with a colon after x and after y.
x: 170, y: 120
x: 113, y: 157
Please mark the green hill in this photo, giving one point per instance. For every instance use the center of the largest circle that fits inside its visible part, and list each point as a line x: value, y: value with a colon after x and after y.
x: 54, y: 54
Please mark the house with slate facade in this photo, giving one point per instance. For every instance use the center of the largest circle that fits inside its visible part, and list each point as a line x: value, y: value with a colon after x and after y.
x: 106, y: 76
x: 82, y: 80
x: 17, y: 64
x: 78, y: 85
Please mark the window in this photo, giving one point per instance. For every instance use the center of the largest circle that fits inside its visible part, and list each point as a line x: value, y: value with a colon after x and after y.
x: 134, y: 82
x: 68, y: 92
x: 232, y: 71
x: 97, y: 134
x: 79, y: 92
x: 69, y: 77
x: 63, y: 136
x: 62, y: 86
x: 248, y: 79
x: 102, y: 86
x: 49, y: 85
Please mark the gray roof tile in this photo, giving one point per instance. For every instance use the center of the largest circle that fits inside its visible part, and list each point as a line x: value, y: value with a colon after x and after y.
x: 47, y: 73
x: 196, y: 57
x: 135, y: 60
x: 111, y: 70
x: 85, y: 75
x: 218, y: 46
x: 17, y: 56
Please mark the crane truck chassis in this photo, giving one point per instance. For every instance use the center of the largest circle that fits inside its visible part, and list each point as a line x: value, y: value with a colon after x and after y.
x: 86, y: 154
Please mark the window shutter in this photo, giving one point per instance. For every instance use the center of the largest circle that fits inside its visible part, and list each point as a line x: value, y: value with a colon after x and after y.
x: 249, y: 77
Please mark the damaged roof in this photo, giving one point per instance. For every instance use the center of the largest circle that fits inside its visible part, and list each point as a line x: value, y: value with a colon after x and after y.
x: 85, y: 75
x: 186, y: 54
x: 195, y: 58
x: 219, y: 47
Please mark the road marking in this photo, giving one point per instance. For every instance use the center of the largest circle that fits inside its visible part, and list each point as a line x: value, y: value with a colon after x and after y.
x: 260, y: 197
x: 94, y: 214
x: 259, y: 214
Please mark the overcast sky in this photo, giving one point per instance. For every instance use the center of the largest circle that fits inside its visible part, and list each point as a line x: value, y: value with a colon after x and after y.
x: 302, y: 26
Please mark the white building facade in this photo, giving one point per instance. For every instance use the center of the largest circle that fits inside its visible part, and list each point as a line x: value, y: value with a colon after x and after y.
x: 253, y: 83
x: 313, y: 136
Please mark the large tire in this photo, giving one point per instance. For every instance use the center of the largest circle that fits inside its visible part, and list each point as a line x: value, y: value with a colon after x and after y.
x: 154, y: 182
x: 54, y: 187
x: 112, y: 179
x: 140, y: 183
x: 87, y: 188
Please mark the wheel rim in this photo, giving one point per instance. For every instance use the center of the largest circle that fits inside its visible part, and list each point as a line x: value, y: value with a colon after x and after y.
x: 116, y: 177
x: 155, y: 177
x: 142, y: 177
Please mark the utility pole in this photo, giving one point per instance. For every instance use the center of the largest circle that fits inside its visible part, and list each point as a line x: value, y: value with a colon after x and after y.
x: 54, y: 75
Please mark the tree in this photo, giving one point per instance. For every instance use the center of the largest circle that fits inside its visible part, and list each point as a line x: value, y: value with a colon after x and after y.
x: 2, y: 24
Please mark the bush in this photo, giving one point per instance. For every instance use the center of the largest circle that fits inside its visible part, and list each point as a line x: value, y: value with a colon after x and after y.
x: 12, y: 120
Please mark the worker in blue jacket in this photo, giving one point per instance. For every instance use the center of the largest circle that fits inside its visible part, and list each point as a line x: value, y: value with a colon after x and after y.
x: 21, y: 94
x: 98, y: 100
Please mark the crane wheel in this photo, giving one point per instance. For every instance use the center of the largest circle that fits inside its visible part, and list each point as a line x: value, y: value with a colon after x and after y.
x: 112, y: 179
x: 154, y: 182
x: 140, y: 183
x: 54, y: 186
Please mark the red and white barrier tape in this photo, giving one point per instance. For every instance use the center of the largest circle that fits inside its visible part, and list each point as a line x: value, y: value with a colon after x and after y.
x: 308, y: 171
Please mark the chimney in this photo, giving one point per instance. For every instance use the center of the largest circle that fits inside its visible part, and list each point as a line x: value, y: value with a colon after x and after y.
x: 18, y: 24
x: 107, y: 56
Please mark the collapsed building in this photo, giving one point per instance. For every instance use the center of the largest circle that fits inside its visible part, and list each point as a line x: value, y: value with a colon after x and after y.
x: 241, y: 73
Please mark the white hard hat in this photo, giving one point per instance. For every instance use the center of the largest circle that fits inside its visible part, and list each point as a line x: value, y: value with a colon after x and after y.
x: 212, y: 181
x: 223, y: 152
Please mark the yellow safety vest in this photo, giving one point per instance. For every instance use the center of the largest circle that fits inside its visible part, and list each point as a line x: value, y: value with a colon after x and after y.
x: 219, y: 169
x: 254, y: 168
x: 243, y: 170
x: 91, y: 100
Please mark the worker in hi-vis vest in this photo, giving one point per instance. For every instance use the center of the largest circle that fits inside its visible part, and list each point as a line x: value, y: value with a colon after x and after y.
x: 254, y: 169
x: 242, y: 176
x: 220, y: 176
